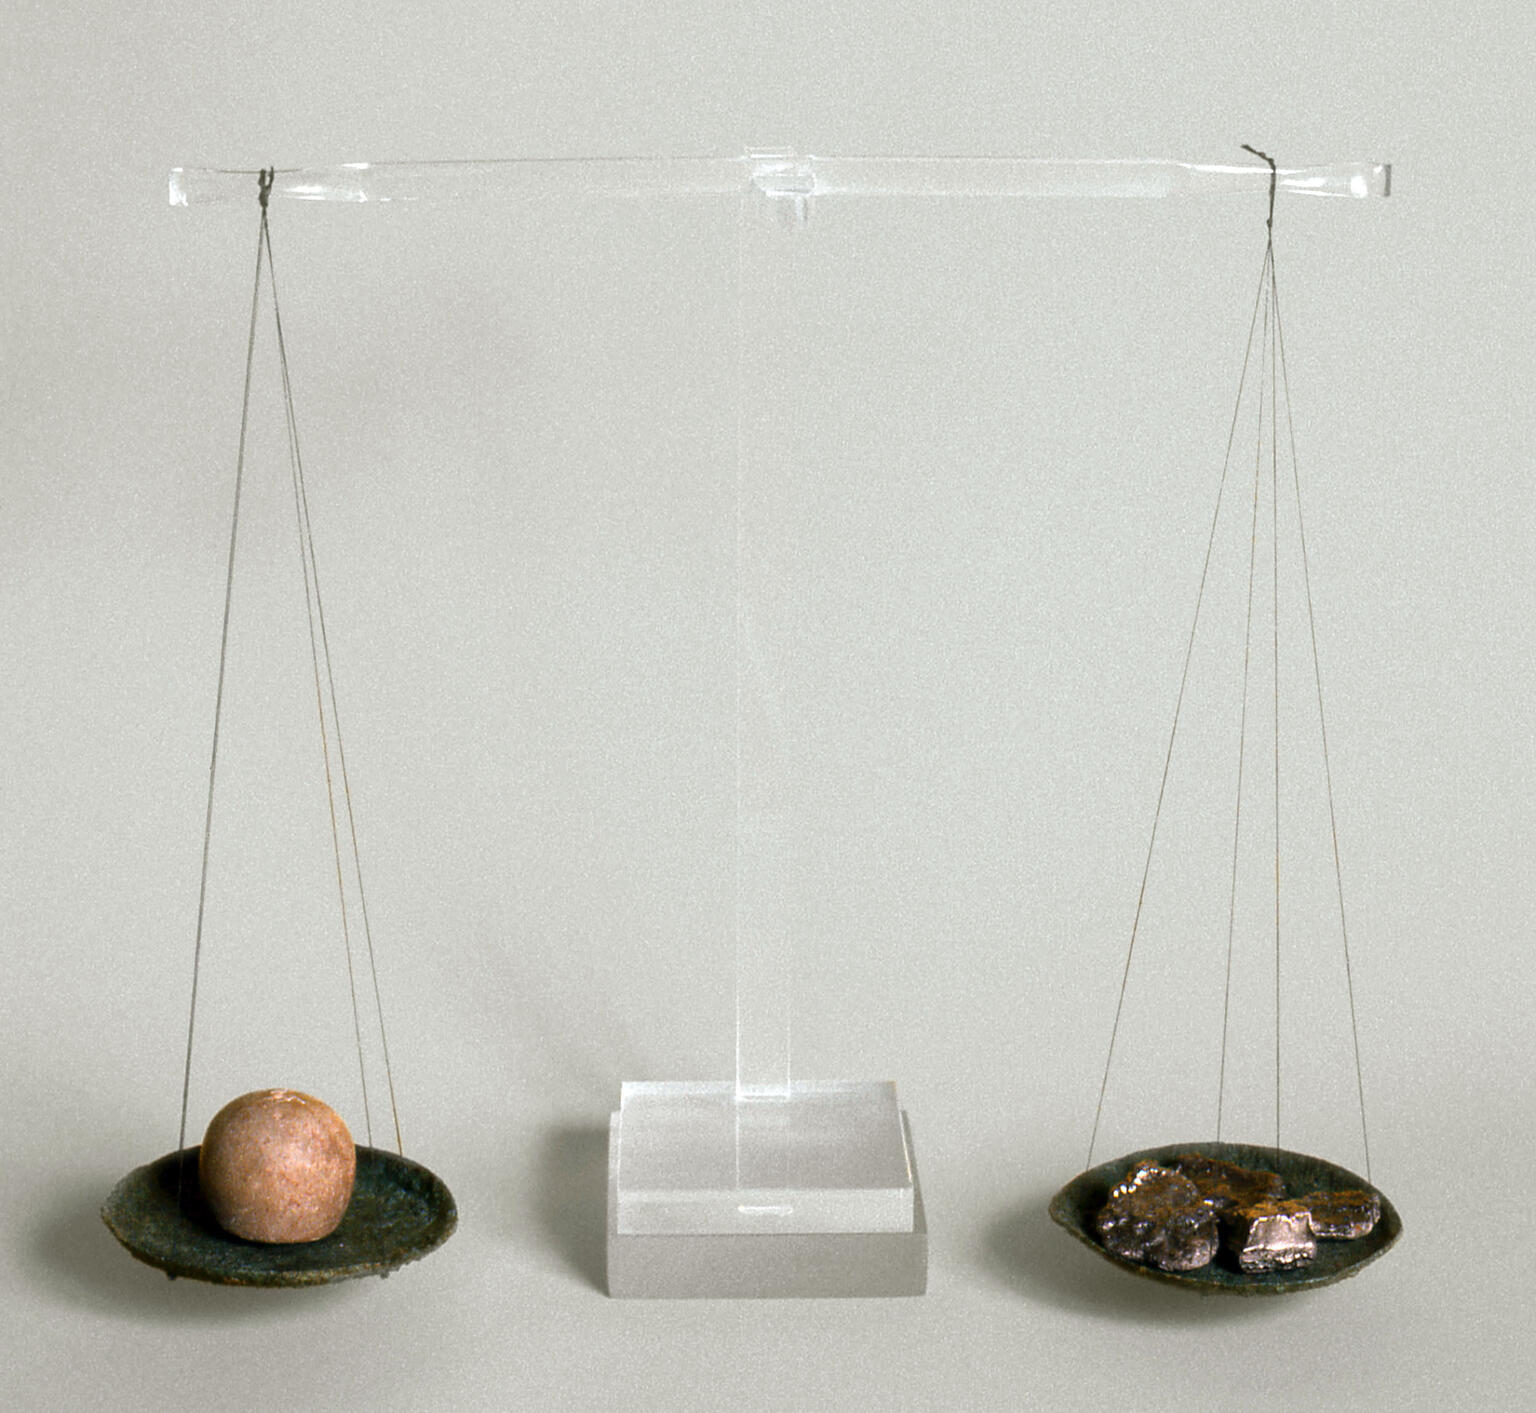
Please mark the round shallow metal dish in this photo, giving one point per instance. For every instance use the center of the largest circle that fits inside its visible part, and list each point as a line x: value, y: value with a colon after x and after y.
x: 399, y: 1212
x: 1079, y: 1202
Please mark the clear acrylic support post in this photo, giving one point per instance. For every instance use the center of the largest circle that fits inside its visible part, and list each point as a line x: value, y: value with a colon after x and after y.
x: 768, y: 1185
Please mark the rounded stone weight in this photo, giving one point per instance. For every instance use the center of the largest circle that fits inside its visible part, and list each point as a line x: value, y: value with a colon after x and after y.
x: 277, y: 1165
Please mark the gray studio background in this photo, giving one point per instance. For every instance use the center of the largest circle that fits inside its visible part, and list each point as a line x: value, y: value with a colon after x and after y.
x: 997, y: 450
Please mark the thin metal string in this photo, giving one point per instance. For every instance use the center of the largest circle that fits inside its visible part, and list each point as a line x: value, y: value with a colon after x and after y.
x: 1242, y: 741
x: 1274, y: 493
x: 325, y: 749
x: 319, y: 646
x: 218, y: 700
x: 341, y: 752
x: 316, y: 614
x: 1174, y: 732
x: 1317, y: 676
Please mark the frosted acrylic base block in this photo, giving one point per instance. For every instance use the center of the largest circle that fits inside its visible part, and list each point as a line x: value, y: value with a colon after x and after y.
x: 811, y: 1195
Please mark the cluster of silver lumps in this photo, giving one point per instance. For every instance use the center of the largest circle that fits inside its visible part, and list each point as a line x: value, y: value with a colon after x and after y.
x: 1156, y: 1215
x: 1176, y: 1216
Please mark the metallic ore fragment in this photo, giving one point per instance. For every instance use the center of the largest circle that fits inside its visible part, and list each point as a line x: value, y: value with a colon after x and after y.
x: 1271, y: 1236
x: 1342, y: 1216
x: 1156, y: 1215
x: 1226, y: 1186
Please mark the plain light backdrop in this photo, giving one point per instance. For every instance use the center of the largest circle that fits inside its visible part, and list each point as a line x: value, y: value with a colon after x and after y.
x: 997, y: 429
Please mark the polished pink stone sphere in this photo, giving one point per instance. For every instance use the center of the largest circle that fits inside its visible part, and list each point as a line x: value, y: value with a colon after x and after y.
x: 277, y: 1166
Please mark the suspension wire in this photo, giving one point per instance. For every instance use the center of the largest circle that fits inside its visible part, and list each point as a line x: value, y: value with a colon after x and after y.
x: 325, y: 749
x: 1174, y: 732
x: 341, y: 752
x: 1317, y: 676
x: 1272, y: 354
x: 218, y: 700
x: 1274, y: 494
x: 319, y: 649
x: 316, y: 613
x: 1242, y: 741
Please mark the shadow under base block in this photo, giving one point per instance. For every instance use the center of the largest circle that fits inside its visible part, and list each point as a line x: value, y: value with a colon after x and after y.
x: 764, y: 1266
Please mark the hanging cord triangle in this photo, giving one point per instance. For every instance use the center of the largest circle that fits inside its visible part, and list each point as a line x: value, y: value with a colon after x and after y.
x: 1272, y: 363
x: 1322, y: 723
x: 319, y: 651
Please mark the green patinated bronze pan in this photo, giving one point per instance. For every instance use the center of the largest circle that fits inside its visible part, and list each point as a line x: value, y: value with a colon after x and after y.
x: 1079, y: 1202
x: 399, y: 1212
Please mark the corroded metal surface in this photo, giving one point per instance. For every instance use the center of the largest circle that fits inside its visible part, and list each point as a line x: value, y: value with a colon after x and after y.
x: 1343, y: 1216
x: 1228, y: 1186
x: 1157, y: 1215
x: 399, y: 1212
x: 1077, y: 1205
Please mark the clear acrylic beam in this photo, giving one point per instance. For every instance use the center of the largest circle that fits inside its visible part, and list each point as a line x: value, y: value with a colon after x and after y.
x: 778, y: 174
